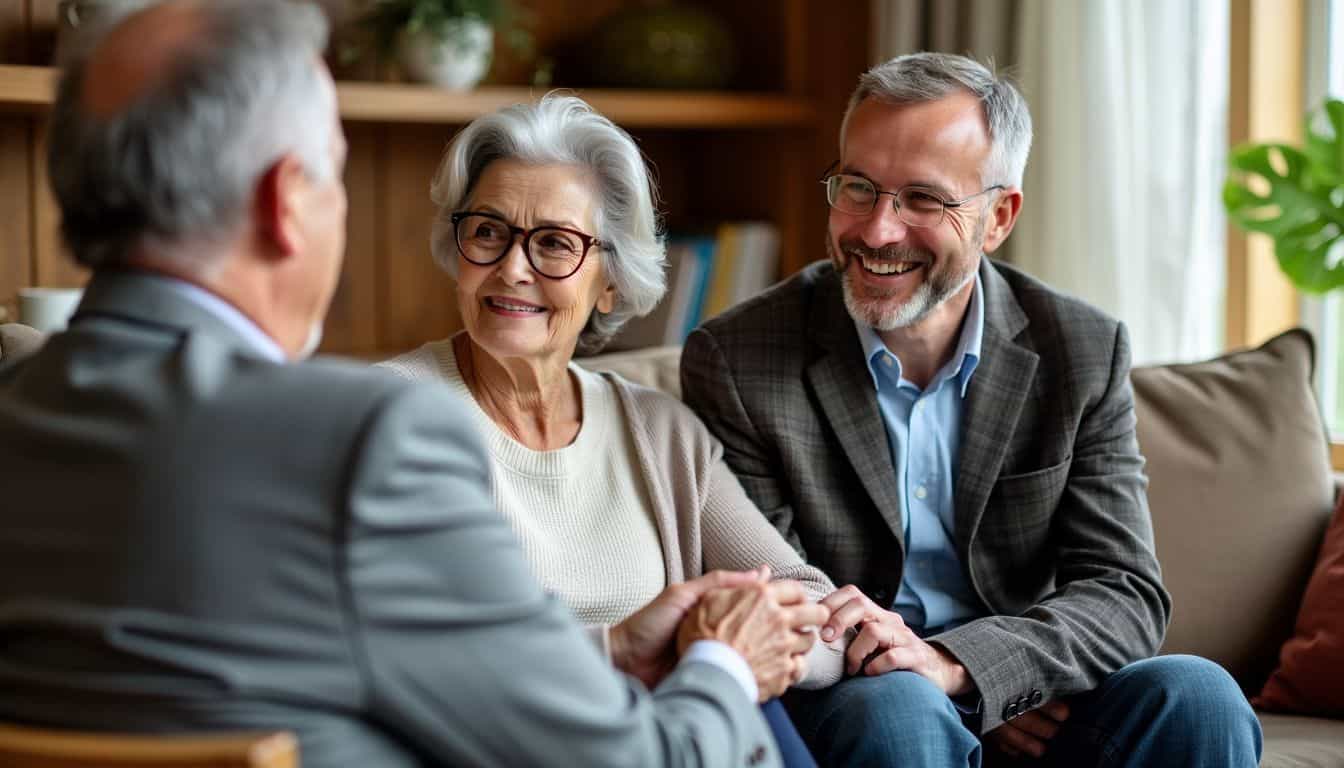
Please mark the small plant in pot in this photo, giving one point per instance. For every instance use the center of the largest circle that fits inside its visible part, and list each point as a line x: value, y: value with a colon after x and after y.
x: 448, y: 43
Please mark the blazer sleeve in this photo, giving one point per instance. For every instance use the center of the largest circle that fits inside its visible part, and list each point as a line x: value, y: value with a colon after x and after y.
x: 1108, y: 607
x: 709, y: 388
x: 461, y: 653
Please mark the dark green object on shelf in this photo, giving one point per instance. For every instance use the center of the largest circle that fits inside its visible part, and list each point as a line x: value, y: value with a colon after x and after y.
x: 664, y: 46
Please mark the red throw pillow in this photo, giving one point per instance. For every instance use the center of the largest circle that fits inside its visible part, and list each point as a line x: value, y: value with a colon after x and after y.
x: 1310, y: 677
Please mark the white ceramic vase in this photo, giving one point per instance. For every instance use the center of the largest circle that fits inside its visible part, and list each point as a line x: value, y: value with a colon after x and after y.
x: 456, y: 60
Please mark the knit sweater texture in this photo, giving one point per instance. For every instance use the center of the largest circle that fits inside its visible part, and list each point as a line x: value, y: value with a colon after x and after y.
x: 642, y: 498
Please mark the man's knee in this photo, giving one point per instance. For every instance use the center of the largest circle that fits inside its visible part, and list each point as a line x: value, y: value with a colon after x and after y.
x: 1181, y: 682
x: 897, y: 697
x: 898, y: 717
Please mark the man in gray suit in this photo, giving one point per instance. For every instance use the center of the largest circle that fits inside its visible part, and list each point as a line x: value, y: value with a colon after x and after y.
x: 955, y: 441
x: 199, y: 535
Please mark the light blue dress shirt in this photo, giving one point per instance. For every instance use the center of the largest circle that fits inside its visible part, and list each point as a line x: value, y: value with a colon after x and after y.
x: 256, y: 338
x: 924, y: 433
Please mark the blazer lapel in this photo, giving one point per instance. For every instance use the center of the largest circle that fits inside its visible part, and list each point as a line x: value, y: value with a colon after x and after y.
x: 1000, y: 386
x: 843, y: 386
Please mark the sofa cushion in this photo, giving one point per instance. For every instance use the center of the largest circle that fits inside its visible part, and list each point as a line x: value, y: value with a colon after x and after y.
x: 1240, y: 490
x: 16, y: 339
x: 1310, y: 676
x: 1302, y: 742
x: 654, y: 367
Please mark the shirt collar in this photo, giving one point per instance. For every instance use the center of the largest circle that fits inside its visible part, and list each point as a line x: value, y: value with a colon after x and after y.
x: 964, y: 361
x: 228, y: 314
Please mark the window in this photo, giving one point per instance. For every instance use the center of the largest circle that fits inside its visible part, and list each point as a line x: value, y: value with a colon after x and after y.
x: 1325, y: 314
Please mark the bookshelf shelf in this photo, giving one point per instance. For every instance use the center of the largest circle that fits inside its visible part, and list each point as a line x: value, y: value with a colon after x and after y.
x: 32, y: 88
x: 26, y: 88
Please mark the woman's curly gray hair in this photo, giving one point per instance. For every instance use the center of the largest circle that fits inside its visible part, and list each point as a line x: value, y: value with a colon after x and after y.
x: 562, y: 129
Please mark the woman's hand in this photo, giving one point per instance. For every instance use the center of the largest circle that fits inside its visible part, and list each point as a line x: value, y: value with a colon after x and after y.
x: 643, y: 645
x: 771, y: 625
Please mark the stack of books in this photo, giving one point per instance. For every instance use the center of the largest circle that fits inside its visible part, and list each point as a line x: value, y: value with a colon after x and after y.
x: 707, y: 273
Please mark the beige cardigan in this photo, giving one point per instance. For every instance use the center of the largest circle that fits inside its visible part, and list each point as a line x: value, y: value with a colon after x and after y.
x: 705, y: 520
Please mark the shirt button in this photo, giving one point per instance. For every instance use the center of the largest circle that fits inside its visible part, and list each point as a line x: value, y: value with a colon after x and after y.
x: 921, y: 492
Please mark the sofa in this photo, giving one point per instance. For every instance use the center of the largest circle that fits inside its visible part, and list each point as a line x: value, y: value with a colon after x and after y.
x: 1240, y: 489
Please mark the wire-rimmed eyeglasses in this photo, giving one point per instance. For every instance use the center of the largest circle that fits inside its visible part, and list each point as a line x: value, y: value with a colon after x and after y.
x: 916, y: 205
x: 553, y: 252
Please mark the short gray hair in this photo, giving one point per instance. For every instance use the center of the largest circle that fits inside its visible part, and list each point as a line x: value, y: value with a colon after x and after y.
x: 922, y: 77
x: 180, y: 162
x: 562, y: 129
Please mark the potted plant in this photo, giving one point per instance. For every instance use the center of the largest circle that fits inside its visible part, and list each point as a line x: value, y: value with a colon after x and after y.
x: 449, y: 43
x: 1296, y: 196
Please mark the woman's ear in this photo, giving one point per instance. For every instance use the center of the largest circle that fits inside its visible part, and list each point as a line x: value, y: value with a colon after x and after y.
x: 606, y: 300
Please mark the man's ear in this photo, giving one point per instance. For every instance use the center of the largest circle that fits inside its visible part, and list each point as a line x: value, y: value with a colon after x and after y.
x: 278, y: 206
x: 1002, y: 217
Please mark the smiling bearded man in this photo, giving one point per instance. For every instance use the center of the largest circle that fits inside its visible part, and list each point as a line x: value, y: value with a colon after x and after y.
x: 954, y: 441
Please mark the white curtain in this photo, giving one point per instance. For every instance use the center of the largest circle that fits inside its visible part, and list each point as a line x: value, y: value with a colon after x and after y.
x: 1122, y: 194
x: 1123, y: 190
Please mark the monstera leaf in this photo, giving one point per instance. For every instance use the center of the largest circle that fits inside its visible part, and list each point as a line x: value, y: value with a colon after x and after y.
x: 1296, y: 196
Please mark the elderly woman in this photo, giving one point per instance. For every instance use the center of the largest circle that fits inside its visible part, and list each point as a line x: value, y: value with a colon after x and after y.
x: 546, y: 220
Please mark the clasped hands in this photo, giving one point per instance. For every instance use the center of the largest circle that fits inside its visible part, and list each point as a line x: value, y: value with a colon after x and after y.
x: 771, y: 624
x: 884, y: 643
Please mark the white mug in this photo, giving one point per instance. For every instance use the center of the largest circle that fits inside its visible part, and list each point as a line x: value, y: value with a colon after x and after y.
x: 48, y: 309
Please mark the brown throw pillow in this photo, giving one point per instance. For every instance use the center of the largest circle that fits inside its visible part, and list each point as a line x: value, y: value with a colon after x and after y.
x: 1241, y: 490
x: 1310, y: 677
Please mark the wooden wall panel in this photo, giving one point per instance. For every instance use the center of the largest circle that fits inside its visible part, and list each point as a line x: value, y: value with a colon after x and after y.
x: 15, y: 233
x: 42, y: 19
x: 52, y: 265
x: 417, y: 299
x: 838, y: 47
x: 352, y: 326
x: 14, y: 31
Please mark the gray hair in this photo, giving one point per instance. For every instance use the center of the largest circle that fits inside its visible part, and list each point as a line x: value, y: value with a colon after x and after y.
x: 561, y: 129
x: 922, y: 77
x: 180, y: 162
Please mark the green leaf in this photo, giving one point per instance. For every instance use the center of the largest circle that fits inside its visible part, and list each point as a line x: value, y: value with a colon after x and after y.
x: 1296, y: 197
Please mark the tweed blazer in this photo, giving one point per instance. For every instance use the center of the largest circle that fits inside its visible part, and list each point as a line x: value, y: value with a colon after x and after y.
x: 1050, y: 507
x: 194, y: 538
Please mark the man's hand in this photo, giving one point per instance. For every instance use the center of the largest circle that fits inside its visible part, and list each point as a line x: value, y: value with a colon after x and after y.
x: 643, y: 645
x: 771, y: 625
x: 884, y: 643
x: 1028, y: 734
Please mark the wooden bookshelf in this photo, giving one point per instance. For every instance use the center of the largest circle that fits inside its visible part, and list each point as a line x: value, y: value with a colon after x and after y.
x: 749, y: 153
x: 31, y: 88
x: 26, y: 88
x: 398, y: 103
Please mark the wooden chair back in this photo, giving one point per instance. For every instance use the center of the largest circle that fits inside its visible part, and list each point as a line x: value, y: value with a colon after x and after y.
x: 23, y: 747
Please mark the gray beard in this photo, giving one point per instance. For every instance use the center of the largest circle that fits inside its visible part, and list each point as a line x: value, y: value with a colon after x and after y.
x: 873, y: 313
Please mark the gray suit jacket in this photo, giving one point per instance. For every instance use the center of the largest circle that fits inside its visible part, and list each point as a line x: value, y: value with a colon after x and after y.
x: 1051, y: 513
x: 193, y: 538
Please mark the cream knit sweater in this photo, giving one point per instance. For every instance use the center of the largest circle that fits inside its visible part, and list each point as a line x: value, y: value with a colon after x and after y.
x: 641, y: 499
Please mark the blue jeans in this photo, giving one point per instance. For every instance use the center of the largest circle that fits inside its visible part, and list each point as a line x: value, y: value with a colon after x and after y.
x: 1171, y: 710
x: 792, y: 751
